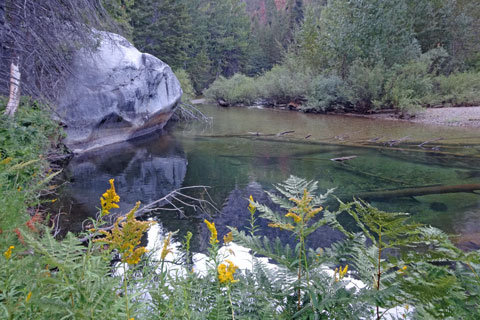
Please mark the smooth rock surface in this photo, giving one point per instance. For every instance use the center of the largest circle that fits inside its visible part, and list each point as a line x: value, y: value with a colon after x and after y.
x: 114, y: 94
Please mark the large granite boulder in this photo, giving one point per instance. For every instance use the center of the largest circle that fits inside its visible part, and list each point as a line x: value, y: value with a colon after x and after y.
x: 115, y: 93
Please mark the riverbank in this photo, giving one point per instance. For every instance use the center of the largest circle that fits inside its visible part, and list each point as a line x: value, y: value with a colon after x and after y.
x: 468, y: 117
x: 448, y: 116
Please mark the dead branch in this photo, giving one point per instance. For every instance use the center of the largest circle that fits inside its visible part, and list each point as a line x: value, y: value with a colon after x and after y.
x: 284, y: 133
x: 40, y: 38
x: 188, y: 112
x: 421, y: 145
x: 171, y: 198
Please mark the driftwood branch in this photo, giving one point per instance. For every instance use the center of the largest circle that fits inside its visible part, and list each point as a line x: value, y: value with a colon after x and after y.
x: 176, y: 195
x: 189, y: 112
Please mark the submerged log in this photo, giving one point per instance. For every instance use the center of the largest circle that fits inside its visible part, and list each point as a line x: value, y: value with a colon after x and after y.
x: 341, y: 159
x: 417, y: 191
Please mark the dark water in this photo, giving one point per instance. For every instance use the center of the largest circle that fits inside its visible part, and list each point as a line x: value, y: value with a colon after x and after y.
x: 235, y: 162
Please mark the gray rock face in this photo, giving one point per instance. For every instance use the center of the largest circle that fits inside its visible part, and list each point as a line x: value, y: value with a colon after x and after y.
x: 115, y: 93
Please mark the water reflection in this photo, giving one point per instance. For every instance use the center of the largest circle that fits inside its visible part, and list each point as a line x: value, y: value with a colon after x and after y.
x: 237, y: 166
x: 144, y: 170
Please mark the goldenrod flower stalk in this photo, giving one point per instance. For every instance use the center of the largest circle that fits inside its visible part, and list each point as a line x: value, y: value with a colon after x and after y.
x: 125, y: 236
x: 341, y: 273
x: 109, y: 199
x: 295, y: 217
x: 251, y: 207
x: 8, y: 253
x: 213, y: 232
x: 166, y: 250
x: 29, y: 295
x: 6, y: 160
x: 226, y: 272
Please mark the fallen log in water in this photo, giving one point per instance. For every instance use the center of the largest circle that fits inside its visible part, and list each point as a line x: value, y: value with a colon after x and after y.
x: 417, y: 191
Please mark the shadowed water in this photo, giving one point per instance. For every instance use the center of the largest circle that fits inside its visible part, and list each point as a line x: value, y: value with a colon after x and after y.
x: 243, y: 152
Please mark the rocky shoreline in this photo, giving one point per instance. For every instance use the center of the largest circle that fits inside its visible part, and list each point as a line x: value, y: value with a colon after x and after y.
x: 447, y: 116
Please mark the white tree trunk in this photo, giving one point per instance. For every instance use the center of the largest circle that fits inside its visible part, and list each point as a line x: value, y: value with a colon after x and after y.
x: 14, y: 98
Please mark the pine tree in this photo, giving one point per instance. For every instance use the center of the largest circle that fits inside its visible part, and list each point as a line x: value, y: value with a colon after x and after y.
x: 162, y: 28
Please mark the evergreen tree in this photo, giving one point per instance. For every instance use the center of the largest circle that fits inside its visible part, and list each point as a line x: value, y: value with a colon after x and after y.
x: 120, y: 11
x: 162, y: 28
x: 372, y: 30
x: 228, y: 27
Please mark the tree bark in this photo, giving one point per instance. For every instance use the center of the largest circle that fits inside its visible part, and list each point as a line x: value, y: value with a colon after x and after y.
x: 14, y: 97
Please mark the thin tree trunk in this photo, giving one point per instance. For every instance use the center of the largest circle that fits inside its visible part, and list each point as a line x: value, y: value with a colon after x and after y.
x: 14, y: 98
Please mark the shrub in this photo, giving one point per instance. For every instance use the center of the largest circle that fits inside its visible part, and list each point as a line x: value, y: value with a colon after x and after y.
x: 25, y: 142
x: 186, y: 84
x: 235, y: 90
x: 366, y: 85
x: 455, y: 89
x: 283, y: 84
x: 327, y: 93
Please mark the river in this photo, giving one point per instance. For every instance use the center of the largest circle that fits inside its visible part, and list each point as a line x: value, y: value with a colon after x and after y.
x: 244, y: 151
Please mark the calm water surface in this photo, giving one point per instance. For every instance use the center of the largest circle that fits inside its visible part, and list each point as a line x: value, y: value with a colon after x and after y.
x: 229, y: 156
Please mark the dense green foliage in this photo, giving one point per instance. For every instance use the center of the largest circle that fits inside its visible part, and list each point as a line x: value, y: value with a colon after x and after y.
x: 209, y: 39
x: 44, y: 278
x: 392, y: 263
x: 363, y: 55
x: 24, y: 146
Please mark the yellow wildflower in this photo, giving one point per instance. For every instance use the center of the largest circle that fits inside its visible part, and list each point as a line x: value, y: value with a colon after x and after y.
x: 303, y: 212
x: 6, y: 160
x: 295, y: 217
x: 225, y: 273
x: 282, y: 226
x: 29, y: 295
x: 341, y: 273
x: 228, y: 237
x: 213, y: 231
x: 251, y: 207
x: 126, y: 235
x: 402, y: 270
x: 165, y: 249
x: 109, y: 199
x: 8, y: 253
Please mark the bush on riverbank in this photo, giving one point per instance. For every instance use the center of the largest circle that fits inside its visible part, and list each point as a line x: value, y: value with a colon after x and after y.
x: 406, y: 88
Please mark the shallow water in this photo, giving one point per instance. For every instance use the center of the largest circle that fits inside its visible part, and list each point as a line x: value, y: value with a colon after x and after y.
x: 242, y: 152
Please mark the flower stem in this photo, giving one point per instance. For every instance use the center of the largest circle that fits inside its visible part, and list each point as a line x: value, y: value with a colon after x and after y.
x: 231, y: 304
x: 125, y: 288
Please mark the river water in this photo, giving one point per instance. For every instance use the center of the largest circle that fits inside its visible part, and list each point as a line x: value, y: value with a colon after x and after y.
x: 244, y: 151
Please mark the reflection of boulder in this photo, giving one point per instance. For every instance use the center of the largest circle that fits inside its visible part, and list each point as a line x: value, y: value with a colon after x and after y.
x: 143, y: 171
x: 115, y: 93
x: 468, y: 230
x: 235, y: 214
